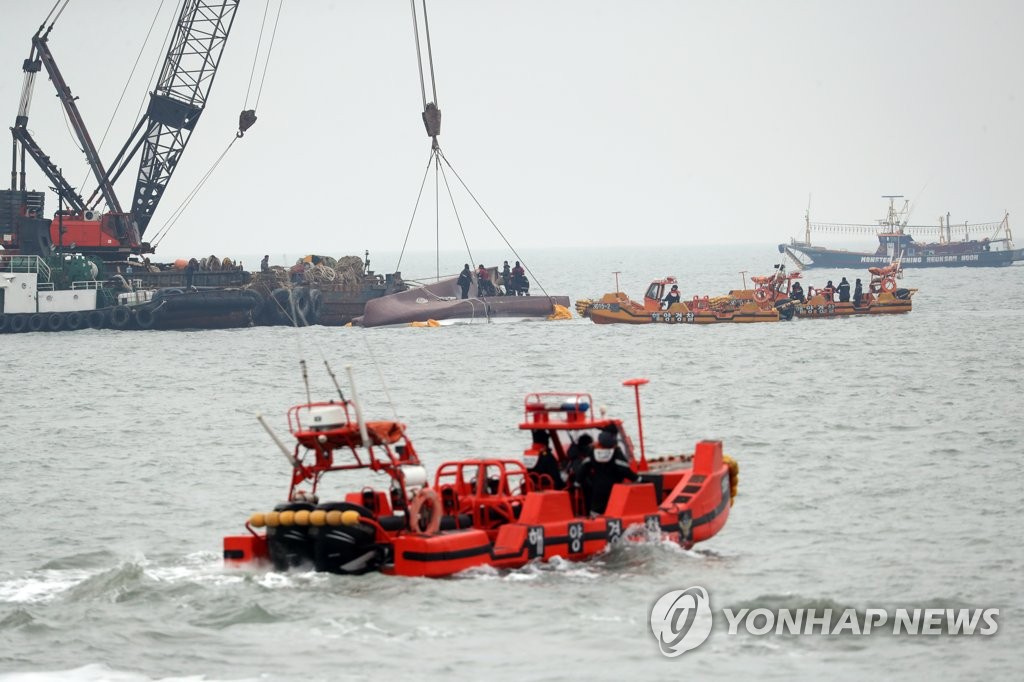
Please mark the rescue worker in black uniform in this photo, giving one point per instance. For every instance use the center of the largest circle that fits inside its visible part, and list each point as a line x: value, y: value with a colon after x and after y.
x: 672, y: 296
x: 541, y: 462
x: 796, y: 293
x: 844, y: 291
x: 858, y: 293
x: 465, y: 279
x: 608, y: 467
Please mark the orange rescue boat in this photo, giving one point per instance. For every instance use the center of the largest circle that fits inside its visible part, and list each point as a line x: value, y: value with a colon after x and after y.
x: 475, y: 512
x: 619, y: 308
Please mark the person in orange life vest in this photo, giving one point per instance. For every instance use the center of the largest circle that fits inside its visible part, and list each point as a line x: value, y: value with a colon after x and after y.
x: 541, y: 462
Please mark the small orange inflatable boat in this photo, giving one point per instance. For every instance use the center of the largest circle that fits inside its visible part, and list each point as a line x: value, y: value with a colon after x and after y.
x: 478, y: 512
x: 659, y: 307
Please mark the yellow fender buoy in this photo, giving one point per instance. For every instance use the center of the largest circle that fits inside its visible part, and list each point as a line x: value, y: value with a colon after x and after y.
x: 257, y: 520
x: 561, y: 313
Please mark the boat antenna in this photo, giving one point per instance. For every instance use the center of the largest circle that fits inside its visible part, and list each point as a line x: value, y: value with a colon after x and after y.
x: 305, y: 380
x: 359, y: 410
x: 335, y: 380
x: 743, y: 273
x: 284, y: 451
x: 636, y: 384
x: 617, y: 273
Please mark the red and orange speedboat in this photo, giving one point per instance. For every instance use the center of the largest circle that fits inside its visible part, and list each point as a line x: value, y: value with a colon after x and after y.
x: 475, y: 512
x: 882, y: 297
x: 619, y: 308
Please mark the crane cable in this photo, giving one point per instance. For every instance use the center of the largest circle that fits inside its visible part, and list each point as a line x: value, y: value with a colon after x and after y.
x: 491, y: 221
x: 436, y: 155
x: 124, y: 90
x: 245, y: 120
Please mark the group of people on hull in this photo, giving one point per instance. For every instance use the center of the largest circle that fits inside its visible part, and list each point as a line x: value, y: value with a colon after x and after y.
x: 587, y: 471
x: 830, y: 292
x: 513, y: 280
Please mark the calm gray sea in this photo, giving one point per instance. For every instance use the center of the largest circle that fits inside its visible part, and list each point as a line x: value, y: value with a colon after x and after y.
x: 881, y: 467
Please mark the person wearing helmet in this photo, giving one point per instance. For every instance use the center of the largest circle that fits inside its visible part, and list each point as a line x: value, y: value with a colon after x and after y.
x: 542, y: 464
x: 609, y: 467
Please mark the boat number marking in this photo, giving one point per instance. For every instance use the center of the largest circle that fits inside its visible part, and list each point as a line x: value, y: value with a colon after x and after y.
x: 652, y: 522
x: 671, y: 318
x: 614, y: 530
x: 575, y: 538
x: 614, y: 307
x: 535, y: 541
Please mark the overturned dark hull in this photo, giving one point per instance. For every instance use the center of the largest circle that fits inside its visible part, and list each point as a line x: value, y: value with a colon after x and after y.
x: 440, y: 302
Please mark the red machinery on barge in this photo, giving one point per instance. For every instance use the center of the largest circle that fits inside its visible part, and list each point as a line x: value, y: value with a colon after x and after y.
x: 475, y: 512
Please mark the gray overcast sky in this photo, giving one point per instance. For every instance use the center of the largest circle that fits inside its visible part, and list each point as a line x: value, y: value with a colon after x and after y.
x: 574, y: 122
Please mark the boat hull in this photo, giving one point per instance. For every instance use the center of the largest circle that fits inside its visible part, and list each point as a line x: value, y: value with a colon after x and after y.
x: 440, y: 302
x: 618, y: 309
x: 682, y: 505
x: 818, y: 257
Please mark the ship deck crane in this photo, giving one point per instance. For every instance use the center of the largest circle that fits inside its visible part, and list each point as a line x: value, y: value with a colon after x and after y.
x: 162, y: 133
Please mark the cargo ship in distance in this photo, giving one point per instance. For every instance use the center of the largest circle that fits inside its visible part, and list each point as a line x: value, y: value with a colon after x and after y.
x: 954, y: 246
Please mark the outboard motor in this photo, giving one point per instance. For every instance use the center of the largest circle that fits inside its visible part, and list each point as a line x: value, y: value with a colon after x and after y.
x: 346, y: 549
x: 290, y: 546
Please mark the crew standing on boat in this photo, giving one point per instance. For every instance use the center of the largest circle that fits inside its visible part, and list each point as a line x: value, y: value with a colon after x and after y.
x: 610, y: 467
x: 858, y: 293
x: 506, y: 278
x: 672, y: 296
x: 796, y: 292
x: 465, y: 279
x: 484, y: 285
x: 579, y: 466
x: 519, y: 284
x: 265, y: 264
x: 829, y: 291
x: 541, y: 463
x: 844, y: 291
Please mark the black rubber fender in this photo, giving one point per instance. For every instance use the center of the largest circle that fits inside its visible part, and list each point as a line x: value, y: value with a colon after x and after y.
x: 18, y: 323
x: 74, y: 320
x: 96, y: 319
x: 316, y: 305
x: 36, y: 322
x: 302, y: 306
x: 5, y: 322
x: 54, y: 322
x: 145, y: 318
x: 120, y: 317
x: 282, y: 305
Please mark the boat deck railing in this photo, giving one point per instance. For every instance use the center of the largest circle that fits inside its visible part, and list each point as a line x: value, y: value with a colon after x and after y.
x: 25, y: 264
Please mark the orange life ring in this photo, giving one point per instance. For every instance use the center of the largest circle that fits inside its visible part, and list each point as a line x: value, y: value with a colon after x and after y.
x: 760, y: 295
x: 889, y: 284
x: 425, y: 512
